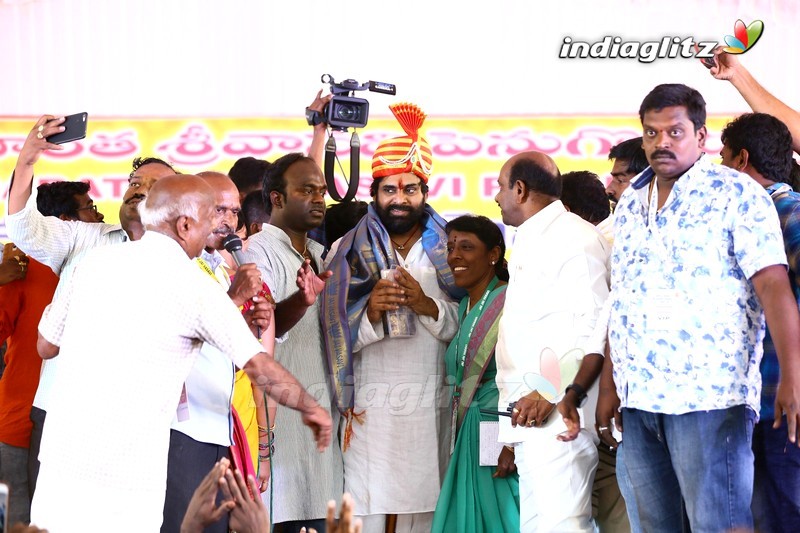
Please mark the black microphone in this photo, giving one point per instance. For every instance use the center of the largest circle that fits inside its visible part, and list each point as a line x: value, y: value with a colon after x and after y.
x: 233, y: 244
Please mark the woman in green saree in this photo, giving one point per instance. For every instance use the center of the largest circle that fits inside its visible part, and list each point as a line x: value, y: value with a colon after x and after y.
x: 476, y: 498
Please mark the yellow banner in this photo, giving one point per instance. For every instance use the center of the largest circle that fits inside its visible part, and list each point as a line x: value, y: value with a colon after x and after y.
x: 468, y: 151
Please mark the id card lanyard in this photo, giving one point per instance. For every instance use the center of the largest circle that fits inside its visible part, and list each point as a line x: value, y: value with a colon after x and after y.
x: 461, y: 357
x: 661, y: 303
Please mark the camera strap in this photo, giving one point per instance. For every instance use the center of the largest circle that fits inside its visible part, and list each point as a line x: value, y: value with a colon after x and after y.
x: 355, y: 173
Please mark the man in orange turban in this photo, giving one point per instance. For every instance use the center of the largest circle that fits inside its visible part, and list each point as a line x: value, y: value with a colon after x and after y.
x: 391, y: 389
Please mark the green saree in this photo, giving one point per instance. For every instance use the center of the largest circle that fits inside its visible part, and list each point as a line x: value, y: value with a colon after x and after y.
x: 471, y: 500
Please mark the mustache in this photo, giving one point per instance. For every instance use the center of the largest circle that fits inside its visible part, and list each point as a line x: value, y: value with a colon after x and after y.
x: 223, y: 230
x: 136, y: 197
x: 665, y: 153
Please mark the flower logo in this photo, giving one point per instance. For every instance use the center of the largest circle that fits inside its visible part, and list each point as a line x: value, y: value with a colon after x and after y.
x: 556, y: 372
x: 743, y: 38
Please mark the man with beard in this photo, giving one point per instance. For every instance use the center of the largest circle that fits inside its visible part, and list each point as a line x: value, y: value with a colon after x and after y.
x: 201, y: 429
x: 303, y: 481
x: 62, y: 244
x: 391, y: 389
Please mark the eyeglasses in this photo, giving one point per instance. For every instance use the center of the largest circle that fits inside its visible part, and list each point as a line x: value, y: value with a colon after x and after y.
x: 92, y: 207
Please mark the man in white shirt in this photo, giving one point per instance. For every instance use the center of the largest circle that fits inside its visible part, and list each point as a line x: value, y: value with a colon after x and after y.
x: 61, y: 244
x: 121, y: 373
x: 201, y: 429
x: 546, y: 351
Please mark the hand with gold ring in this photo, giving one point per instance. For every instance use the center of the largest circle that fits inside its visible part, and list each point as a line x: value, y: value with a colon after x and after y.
x: 532, y: 410
x: 36, y: 142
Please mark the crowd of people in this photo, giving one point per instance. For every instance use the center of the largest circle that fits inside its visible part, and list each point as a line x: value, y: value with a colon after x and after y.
x: 235, y: 355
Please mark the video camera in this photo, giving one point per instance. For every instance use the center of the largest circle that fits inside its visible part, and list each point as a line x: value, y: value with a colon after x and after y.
x: 344, y: 110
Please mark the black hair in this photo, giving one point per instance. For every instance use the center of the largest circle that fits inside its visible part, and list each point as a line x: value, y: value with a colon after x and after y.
x: 274, y: 177
x: 247, y: 173
x: 139, y: 162
x: 342, y: 217
x: 795, y: 175
x: 632, y: 152
x: 376, y: 183
x: 766, y: 139
x: 487, y: 232
x: 535, y: 178
x: 58, y: 198
x: 673, y: 95
x: 252, y: 210
x: 583, y: 194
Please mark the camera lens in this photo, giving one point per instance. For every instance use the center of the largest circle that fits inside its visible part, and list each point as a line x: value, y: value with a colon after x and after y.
x: 348, y: 112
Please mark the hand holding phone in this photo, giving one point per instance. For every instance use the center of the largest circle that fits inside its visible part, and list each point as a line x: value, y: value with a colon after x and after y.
x: 74, y: 129
x: 708, y: 62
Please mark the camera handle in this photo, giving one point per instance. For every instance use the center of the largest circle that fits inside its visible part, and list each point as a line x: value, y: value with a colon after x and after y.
x: 355, y: 173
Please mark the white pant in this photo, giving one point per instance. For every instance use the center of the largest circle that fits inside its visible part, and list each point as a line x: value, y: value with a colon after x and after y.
x: 555, y: 483
x: 406, y: 523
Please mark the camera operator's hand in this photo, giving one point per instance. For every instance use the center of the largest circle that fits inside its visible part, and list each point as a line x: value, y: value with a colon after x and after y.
x: 319, y: 104
x: 317, y: 149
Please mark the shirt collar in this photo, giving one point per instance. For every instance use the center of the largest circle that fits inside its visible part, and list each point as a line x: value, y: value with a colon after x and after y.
x: 274, y: 231
x: 213, y: 259
x: 647, y: 174
x: 539, y: 222
x: 167, y: 244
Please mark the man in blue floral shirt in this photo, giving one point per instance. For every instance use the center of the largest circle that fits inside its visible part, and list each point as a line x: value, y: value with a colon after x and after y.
x: 760, y: 146
x: 698, y: 261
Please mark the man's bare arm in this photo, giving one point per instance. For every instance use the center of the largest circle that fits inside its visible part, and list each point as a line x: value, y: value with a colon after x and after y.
x: 780, y: 308
x: 280, y: 385
x: 757, y: 97
x: 34, y: 146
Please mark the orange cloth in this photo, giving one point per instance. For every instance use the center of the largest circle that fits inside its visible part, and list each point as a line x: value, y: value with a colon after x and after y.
x: 21, y: 305
x: 410, y: 153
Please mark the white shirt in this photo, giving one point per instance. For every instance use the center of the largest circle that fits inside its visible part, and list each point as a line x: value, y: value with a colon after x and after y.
x: 122, y: 365
x: 60, y: 245
x: 558, y: 284
x: 204, y: 413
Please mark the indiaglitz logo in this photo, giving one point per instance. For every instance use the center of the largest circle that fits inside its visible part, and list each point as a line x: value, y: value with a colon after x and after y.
x: 743, y: 38
x: 667, y: 47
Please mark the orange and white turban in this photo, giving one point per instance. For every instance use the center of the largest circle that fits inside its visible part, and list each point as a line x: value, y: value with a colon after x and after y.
x: 410, y: 153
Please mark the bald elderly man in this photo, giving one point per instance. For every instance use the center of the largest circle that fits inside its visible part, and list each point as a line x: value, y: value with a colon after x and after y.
x: 548, y: 354
x: 122, y: 370
x: 201, y: 429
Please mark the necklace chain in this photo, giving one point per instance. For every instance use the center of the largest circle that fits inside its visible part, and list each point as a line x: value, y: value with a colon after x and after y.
x: 402, y: 247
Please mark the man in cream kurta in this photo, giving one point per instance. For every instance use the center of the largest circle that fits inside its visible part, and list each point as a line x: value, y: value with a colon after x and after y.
x: 396, y: 441
x: 400, y: 388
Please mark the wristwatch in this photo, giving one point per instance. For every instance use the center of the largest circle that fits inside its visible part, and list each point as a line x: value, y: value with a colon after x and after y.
x: 579, y: 391
x: 314, y: 117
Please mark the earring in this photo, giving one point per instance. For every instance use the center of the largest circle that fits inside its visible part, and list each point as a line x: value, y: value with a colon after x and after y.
x: 493, y: 262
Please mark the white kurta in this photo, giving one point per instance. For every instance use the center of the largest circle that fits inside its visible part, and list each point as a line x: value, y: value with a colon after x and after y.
x: 124, y: 357
x: 398, y: 456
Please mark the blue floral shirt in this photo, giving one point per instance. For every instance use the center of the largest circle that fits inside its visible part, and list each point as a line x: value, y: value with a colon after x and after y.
x: 686, y: 327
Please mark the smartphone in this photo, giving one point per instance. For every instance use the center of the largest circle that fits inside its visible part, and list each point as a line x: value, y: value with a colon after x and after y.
x: 74, y: 129
x: 708, y: 62
x: 3, y: 508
